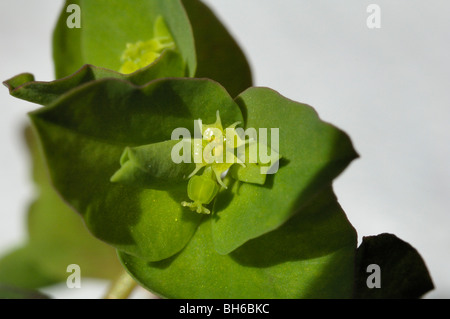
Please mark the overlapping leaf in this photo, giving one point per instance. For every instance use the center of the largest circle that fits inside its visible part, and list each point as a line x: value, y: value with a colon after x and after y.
x: 312, y: 256
x: 84, y: 134
x: 76, y: 47
x: 203, y: 44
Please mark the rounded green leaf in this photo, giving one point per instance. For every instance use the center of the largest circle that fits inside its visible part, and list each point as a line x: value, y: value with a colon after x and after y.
x: 312, y: 256
x: 313, y: 154
x: 83, y: 135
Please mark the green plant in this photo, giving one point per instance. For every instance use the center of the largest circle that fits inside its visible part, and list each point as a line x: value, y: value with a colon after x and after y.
x: 107, y: 139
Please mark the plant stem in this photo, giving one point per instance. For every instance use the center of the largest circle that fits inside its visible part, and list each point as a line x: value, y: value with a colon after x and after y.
x: 122, y: 287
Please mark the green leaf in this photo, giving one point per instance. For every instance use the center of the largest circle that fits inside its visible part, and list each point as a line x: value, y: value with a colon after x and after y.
x: 219, y: 57
x: 83, y: 135
x: 24, y: 86
x: 313, y: 154
x: 312, y: 256
x: 12, y: 292
x: 108, y: 25
x: 402, y: 271
x: 20, y: 269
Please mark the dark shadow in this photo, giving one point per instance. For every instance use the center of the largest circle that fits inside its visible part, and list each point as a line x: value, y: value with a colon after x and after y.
x: 271, y: 177
x: 321, y: 228
x: 403, y: 272
x: 165, y: 263
x: 224, y: 197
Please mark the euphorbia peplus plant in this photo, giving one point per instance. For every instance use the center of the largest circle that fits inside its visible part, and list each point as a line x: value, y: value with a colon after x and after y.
x: 205, y: 228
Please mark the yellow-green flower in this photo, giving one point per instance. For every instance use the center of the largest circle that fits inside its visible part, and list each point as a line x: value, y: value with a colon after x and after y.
x: 142, y: 53
x: 215, y: 152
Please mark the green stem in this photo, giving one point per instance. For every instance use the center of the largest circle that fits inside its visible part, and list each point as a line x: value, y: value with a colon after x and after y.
x: 122, y: 287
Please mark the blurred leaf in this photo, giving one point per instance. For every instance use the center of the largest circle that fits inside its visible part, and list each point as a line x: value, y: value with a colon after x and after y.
x: 404, y: 274
x: 11, y: 292
x: 108, y: 25
x: 312, y: 256
x: 20, y: 269
x: 57, y: 238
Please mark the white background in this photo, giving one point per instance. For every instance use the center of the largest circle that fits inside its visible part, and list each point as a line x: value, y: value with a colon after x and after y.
x: 388, y: 88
